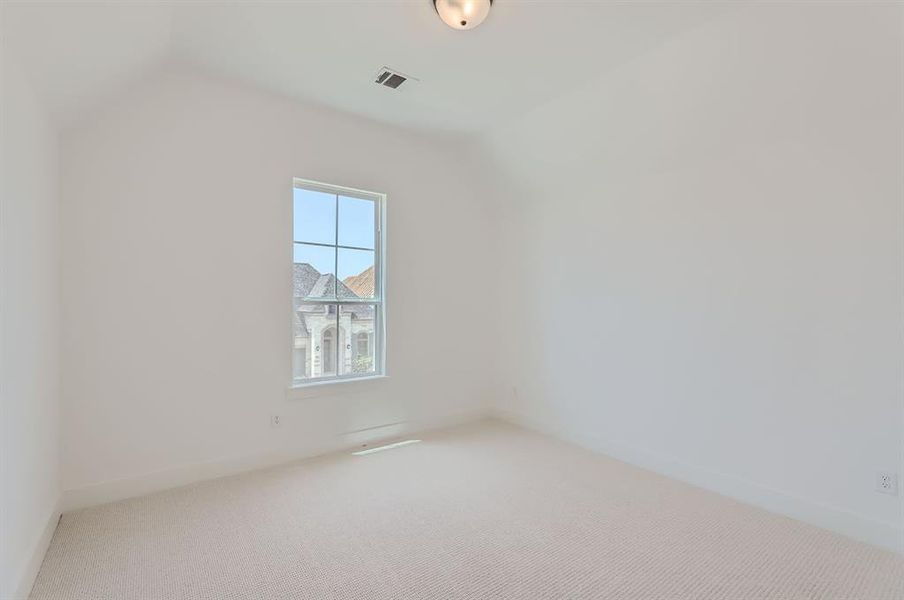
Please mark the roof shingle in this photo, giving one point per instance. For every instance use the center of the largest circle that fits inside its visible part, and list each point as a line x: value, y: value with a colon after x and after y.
x: 362, y: 284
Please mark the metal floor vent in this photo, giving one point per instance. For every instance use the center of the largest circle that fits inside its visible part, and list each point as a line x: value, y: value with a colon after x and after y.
x: 391, y: 78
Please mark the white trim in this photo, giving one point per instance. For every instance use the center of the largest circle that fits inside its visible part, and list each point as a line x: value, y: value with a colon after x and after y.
x: 886, y: 535
x: 333, y: 386
x: 329, y: 188
x: 139, y: 485
x: 29, y: 570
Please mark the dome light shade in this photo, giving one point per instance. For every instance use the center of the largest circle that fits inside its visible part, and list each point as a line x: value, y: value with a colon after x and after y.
x: 462, y: 14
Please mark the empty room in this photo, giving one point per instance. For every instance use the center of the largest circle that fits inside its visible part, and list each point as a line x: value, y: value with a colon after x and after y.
x: 452, y: 300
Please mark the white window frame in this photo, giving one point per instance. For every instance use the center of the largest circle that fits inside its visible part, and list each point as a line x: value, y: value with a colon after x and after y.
x: 378, y: 341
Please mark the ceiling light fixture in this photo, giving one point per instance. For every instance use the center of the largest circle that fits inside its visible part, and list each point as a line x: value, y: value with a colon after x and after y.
x: 462, y: 14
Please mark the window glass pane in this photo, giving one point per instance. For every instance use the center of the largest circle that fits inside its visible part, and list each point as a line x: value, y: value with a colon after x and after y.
x: 315, y: 217
x: 335, y: 259
x: 357, y: 222
x: 315, y: 269
x: 356, y: 272
x: 358, y: 327
x: 314, y: 352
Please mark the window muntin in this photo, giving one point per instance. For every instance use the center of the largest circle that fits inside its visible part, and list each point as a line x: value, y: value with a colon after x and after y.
x: 337, y: 321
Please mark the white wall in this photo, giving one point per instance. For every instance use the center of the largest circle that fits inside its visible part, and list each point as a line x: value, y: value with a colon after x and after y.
x: 177, y: 287
x: 29, y: 326
x: 706, y: 251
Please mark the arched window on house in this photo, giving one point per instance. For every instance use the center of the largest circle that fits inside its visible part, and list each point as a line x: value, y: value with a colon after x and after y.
x: 362, y: 344
x: 328, y: 351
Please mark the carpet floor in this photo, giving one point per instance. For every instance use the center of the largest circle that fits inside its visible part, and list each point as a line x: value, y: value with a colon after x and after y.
x: 482, y: 511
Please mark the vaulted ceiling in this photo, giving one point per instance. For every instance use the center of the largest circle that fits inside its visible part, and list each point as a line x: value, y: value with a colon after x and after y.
x: 328, y: 52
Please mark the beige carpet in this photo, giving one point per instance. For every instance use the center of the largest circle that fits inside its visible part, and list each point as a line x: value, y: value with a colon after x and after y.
x: 486, y: 511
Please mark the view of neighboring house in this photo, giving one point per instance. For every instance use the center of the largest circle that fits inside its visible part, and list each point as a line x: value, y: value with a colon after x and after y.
x: 324, y: 340
x: 362, y: 284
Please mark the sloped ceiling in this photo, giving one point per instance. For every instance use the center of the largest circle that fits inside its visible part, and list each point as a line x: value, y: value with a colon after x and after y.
x: 77, y: 54
x: 327, y: 52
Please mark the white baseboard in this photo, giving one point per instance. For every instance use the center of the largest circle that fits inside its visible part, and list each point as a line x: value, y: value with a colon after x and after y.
x: 34, y: 558
x: 878, y: 533
x: 147, y: 483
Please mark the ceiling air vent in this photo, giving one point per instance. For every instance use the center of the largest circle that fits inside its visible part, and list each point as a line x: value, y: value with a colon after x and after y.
x: 391, y: 78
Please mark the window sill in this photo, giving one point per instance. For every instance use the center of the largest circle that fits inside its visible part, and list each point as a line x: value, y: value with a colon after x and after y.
x: 334, y: 387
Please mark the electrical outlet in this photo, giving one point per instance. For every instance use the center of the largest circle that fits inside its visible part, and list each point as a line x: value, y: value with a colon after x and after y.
x: 275, y: 420
x: 887, y: 483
